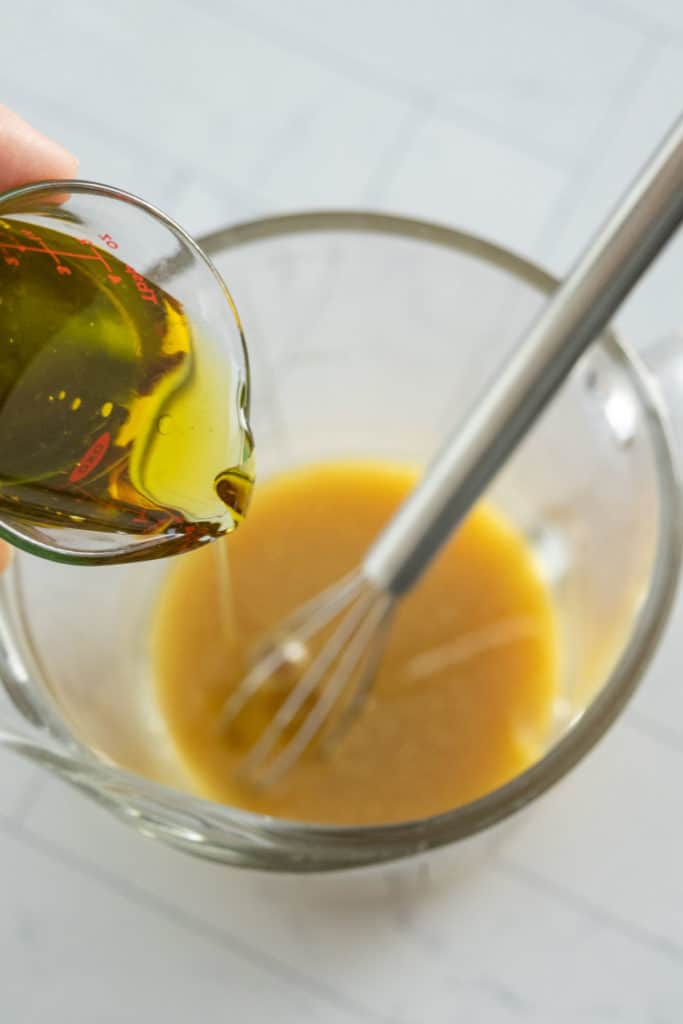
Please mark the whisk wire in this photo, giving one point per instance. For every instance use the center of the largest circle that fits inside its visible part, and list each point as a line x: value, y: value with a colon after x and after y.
x: 302, y: 624
x: 365, y: 628
x: 309, y: 681
x: 365, y: 678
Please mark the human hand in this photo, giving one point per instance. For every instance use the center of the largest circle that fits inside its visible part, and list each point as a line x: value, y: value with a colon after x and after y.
x: 26, y: 156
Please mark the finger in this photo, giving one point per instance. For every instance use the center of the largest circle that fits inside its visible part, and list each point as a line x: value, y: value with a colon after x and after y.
x: 26, y: 155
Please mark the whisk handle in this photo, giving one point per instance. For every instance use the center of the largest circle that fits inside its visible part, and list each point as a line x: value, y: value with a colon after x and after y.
x: 629, y: 241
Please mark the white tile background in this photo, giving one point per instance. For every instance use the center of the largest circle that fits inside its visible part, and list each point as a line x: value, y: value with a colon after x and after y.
x: 518, y: 121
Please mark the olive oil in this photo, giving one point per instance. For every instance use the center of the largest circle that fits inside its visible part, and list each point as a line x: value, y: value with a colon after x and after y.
x: 115, y: 415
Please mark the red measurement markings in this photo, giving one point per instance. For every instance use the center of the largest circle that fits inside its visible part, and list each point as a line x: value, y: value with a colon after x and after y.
x: 97, y: 254
x: 40, y: 248
x: 145, y: 289
x: 91, y: 459
x: 60, y: 267
x: 45, y: 251
x: 11, y: 261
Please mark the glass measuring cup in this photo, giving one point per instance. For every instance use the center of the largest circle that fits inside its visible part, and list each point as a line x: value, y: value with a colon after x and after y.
x: 367, y: 334
x: 124, y: 384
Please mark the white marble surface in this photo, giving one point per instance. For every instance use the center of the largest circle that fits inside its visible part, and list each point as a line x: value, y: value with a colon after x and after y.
x: 518, y: 121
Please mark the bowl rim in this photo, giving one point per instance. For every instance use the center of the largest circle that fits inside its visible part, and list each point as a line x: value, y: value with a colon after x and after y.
x: 293, y: 845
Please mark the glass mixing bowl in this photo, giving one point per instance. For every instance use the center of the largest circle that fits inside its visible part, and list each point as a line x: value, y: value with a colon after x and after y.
x: 367, y: 336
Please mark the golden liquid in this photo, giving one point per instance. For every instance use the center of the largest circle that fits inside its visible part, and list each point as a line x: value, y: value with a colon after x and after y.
x: 464, y: 697
x: 114, y: 414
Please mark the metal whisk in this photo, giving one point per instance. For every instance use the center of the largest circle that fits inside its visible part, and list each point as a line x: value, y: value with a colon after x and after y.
x: 353, y: 616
